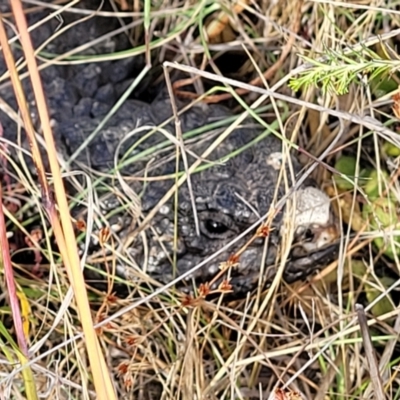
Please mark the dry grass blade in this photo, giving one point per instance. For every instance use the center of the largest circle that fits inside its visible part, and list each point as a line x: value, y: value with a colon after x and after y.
x: 64, y: 233
x: 385, y: 358
x: 379, y: 392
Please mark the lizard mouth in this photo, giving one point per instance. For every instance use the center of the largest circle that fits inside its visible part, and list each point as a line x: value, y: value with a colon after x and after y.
x: 301, y: 267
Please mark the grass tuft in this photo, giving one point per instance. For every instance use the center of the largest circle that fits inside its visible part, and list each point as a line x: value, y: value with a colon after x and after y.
x: 323, y: 77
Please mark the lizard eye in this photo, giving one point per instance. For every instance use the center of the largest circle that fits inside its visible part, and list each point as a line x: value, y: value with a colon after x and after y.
x: 215, y: 227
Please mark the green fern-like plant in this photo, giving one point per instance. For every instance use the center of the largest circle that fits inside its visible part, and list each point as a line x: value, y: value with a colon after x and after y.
x: 339, y: 70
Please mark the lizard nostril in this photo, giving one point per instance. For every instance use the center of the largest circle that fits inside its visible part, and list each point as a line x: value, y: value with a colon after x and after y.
x: 309, y: 235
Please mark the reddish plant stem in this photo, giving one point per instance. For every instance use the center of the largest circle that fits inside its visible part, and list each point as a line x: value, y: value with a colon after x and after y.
x: 10, y: 282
